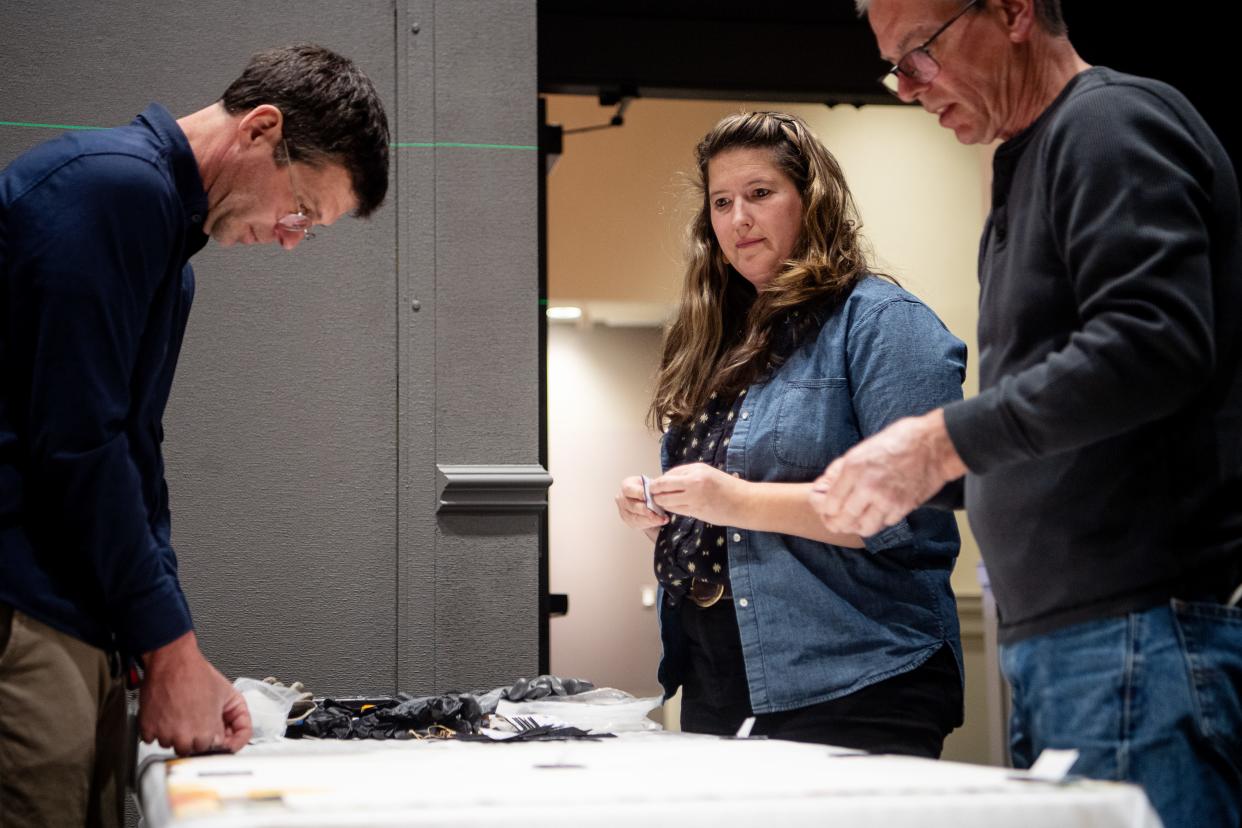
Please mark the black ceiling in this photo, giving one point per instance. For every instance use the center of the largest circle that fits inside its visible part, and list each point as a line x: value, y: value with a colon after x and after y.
x: 818, y: 52
x: 822, y: 52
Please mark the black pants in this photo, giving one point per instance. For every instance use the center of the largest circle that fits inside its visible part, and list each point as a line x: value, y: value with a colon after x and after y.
x: 907, y: 714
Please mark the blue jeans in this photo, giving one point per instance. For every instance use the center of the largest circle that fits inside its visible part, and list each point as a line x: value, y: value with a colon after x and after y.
x: 1152, y: 697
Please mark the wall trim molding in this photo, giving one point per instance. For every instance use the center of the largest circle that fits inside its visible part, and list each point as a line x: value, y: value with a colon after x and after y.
x: 970, y: 616
x: 492, y: 489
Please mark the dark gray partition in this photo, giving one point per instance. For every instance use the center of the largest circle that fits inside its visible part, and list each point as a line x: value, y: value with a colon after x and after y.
x: 319, y: 390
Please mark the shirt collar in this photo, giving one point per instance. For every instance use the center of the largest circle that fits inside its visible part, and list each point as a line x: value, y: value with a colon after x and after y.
x: 184, y: 166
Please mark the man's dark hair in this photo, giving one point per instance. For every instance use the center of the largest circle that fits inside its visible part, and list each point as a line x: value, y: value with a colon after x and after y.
x: 332, y: 113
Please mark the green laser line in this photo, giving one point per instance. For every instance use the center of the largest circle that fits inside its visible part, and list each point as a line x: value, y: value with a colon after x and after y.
x: 397, y: 145
x: 46, y: 126
x: 461, y: 144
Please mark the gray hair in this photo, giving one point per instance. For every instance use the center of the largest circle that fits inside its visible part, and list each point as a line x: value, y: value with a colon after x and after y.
x: 1047, y: 15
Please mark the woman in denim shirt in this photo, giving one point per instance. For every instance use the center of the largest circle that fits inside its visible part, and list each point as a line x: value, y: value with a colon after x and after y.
x: 785, y: 352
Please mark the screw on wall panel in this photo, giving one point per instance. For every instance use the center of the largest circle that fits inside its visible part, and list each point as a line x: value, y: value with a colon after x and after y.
x: 416, y: 305
x: 415, y: 28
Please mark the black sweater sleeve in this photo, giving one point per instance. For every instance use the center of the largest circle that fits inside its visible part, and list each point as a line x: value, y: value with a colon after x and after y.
x: 1125, y: 196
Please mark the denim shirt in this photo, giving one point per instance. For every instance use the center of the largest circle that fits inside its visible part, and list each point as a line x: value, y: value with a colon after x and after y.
x: 818, y: 621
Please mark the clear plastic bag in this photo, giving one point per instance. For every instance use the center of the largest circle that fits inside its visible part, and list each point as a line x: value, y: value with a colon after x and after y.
x: 604, y: 710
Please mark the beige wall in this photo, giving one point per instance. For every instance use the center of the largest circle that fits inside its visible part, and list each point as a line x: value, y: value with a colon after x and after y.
x: 599, y: 383
x: 618, y: 202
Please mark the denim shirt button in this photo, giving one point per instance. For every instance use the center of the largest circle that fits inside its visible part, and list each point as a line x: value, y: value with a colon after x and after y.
x: 745, y: 415
x: 743, y: 602
x: 737, y: 537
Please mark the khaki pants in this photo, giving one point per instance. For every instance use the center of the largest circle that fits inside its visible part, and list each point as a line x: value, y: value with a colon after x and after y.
x: 63, y: 729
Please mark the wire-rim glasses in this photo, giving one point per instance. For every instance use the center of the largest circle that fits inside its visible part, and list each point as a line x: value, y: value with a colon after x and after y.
x: 918, y: 64
x: 298, y: 222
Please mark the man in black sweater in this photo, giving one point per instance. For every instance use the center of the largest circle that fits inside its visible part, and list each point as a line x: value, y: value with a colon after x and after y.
x: 1102, y: 458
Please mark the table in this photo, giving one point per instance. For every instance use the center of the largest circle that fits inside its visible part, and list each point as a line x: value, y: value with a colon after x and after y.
x: 643, y: 779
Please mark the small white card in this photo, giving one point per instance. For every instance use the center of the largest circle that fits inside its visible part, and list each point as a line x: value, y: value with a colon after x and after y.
x: 1053, y: 765
x: 651, y: 504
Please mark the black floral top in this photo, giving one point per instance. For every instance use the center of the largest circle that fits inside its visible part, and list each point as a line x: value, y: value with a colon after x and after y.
x: 689, y: 548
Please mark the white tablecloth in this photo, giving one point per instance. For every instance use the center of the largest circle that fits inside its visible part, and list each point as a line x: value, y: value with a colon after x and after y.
x: 644, y: 780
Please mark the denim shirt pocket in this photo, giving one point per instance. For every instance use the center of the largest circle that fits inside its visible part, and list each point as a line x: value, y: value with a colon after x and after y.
x: 814, y: 422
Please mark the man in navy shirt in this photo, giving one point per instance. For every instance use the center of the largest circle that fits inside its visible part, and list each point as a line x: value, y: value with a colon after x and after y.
x: 96, y: 229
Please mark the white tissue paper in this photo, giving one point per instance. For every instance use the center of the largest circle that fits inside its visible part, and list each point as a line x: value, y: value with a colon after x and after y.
x: 269, y: 708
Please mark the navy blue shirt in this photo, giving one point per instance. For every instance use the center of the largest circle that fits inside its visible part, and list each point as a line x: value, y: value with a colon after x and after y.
x: 96, y: 229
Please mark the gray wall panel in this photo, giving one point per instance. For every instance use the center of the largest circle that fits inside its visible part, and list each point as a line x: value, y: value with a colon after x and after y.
x: 486, y: 631
x: 312, y: 402
x: 282, y: 460
x: 288, y: 380
x: 281, y: 431
x: 484, y: 53
x: 416, y: 613
x: 486, y: 364
x: 78, y: 62
x: 486, y: 402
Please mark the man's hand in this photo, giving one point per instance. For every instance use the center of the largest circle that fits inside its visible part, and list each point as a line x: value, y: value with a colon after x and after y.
x: 887, y: 476
x: 187, y: 705
x: 700, y: 491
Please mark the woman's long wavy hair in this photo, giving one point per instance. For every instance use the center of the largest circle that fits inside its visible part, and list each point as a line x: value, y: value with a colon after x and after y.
x: 721, y: 339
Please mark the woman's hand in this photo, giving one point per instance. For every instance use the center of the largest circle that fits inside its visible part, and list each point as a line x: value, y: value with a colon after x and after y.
x: 700, y: 491
x: 632, y: 507
x: 705, y: 493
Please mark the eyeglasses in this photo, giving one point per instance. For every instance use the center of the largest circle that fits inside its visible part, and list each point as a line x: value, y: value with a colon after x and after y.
x: 917, y: 64
x: 298, y: 222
